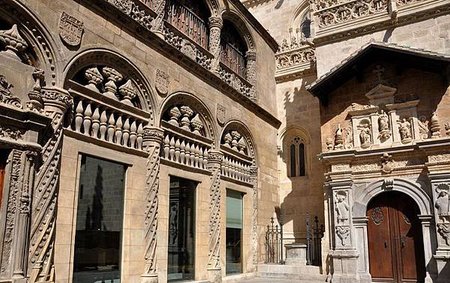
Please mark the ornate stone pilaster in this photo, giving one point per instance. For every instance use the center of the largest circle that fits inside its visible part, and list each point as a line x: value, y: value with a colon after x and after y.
x: 214, y: 268
x: 344, y: 253
x: 57, y: 102
x: 251, y: 72
x: 158, y: 22
x: 254, y: 181
x: 215, y: 27
x: 152, y: 141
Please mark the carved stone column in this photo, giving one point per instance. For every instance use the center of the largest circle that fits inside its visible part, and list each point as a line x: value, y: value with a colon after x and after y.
x: 215, y: 27
x: 158, y: 22
x: 214, y: 268
x: 439, y: 175
x: 57, y: 102
x: 344, y: 254
x: 426, y: 221
x: 255, y: 240
x: 152, y: 140
x: 251, y: 72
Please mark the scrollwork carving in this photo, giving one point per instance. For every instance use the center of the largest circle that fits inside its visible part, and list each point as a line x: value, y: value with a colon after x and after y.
x: 214, y: 160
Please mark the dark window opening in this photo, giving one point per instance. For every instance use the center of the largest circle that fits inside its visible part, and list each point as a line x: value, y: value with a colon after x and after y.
x: 99, y: 221
x: 233, y: 49
x: 297, y: 158
x: 181, y: 261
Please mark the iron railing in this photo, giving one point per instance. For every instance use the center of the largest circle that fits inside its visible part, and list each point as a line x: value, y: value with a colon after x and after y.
x: 274, y: 243
x: 314, y: 236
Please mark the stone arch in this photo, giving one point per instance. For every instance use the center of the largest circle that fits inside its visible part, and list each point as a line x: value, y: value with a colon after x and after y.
x: 213, y: 6
x: 242, y: 27
x: 37, y: 36
x: 235, y: 125
x: 101, y: 56
x: 413, y: 190
x: 196, y: 104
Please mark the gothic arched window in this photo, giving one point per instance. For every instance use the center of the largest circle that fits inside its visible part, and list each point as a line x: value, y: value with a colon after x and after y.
x: 297, y: 158
x: 305, y: 26
x: 191, y: 18
x: 233, y: 49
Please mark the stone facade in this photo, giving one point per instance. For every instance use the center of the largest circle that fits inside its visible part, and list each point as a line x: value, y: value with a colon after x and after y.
x: 368, y: 117
x: 113, y: 80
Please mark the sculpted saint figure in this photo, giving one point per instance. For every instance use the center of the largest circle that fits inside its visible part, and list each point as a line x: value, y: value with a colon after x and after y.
x: 442, y: 203
x: 383, y: 125
x: 405, y: 130
x: 341, y: 207
x: 364, y: 135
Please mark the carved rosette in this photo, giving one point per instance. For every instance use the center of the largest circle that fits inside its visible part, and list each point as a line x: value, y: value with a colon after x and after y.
x: 152, y: 139
x: 215, y: 27
x: 254, y: 180
x: 57, y: 102
x: 214, y: 165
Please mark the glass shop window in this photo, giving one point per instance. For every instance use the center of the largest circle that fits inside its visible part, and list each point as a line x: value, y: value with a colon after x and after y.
x: 234, y: 232
x: 99, y: 224
x: 181, y: 257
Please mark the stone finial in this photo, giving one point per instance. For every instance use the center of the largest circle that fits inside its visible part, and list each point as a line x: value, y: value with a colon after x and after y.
x: 14, y: 43
x: 196, y: 124
x: 113, y: 76
x: 129, y: 92
x: 186, y: 112
x: 435, y: 127
x: 174, y: 114
x: 94, y: 78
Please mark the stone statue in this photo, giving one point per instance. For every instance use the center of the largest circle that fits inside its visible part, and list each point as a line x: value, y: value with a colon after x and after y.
x: 338, y: 139
x: 383, y: 126
x: 364, y: 135
x: 442, y: 203
x: 341, y: 207
x: 424, y: 130
x: 348, y: 140
x: 405, y: 130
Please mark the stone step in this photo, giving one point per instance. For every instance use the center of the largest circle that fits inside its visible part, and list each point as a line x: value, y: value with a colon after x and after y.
x: 298, y: 272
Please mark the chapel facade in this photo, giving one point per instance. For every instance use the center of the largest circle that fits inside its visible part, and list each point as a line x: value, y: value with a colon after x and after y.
x: 370, y: 80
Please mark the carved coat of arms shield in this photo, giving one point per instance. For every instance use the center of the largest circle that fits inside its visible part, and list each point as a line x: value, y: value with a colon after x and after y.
x: 70, y: 29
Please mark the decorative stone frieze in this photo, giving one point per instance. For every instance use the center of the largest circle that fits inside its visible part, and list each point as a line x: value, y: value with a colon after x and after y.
x: 6, y: 95
x: 157, y: 24
x: 134, y: 11
x: 238, y: 83
x: 152, y: 139
x: 295, y: 60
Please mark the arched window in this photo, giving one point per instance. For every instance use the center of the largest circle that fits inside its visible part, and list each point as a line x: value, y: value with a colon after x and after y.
x: 190, y: 17
x: 297, y: 158
x: 233, y: 49
x: 305, y: 25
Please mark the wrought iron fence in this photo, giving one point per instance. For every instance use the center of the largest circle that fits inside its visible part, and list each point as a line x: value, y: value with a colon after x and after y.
x: 274, y: 243
x: 314, y: 236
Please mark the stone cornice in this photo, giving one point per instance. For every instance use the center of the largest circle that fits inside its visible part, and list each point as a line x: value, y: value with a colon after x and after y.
x: 154, y: 41
x: 406, y: 14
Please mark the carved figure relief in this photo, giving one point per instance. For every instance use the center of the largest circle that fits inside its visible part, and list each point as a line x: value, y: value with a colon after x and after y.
x: 387, y: 164
x: 6, y: 95
x: 424, y: 129
x: 405, y: 131
x: 442, y: 202
x: 365, y: 135
x: 341, y: 207
x: 343, y: 232
x: 447, y: 128
x: 348, y: 140
x: 338, y: 138
x: 70, y: 29
x: 383, y: 126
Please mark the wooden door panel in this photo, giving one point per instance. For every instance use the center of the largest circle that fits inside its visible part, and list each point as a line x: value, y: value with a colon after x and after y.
x: 380, y: 247
x: 395, y: 240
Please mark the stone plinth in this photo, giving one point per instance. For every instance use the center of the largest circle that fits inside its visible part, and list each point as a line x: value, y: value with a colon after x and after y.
x: 295, y: 254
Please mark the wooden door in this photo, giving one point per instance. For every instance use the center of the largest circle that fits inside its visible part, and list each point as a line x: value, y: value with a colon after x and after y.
x: 395, y: 239
x: 3, y: 158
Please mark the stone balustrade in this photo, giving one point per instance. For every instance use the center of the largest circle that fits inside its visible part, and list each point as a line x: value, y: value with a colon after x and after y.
x: 105, y: 119
x: 236, y: 81
x: 236, y: 167
x: 184, y: 149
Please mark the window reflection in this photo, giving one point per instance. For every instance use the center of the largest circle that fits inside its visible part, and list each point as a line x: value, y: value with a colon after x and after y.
x: 99, y: 221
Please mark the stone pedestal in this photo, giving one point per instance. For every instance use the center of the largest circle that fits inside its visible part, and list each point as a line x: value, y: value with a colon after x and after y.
x: 295, y: 254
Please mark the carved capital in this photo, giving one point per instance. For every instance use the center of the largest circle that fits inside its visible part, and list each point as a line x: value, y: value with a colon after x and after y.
x: 215, y: 157
x: 56, y: 100
x: 254, y: 171
x: 152, y: 134
x: 215, y: 22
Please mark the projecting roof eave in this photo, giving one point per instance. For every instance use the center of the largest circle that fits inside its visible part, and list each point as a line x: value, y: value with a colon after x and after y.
x: 403, y: 55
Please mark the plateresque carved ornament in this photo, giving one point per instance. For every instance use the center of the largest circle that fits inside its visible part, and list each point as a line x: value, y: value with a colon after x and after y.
x: 162, y: 82
x: 70, y: 29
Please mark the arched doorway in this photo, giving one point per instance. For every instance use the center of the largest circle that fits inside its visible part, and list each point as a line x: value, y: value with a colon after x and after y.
x: 396, y: 251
